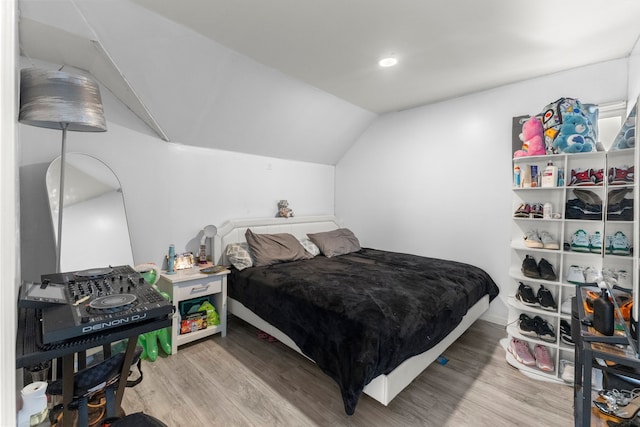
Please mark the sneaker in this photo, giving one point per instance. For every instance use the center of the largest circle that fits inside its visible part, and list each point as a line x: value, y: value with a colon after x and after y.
x: 565, y: 332
x: 567, y: 371
x: 595, y: 243
x: 525, y: 295
x: 620, y: 244
x: 532, y: 239
x: 544, y: 329
x: 617, y: 176
x: 580, y: 241
x: 580, y: 177
x: 546, y: 271
x: 565, y: 307
x: 545, y: 298
x: 530, y: 268
x: 630, y: 175
x: 543, y: 358
x: 624, y: 279
x: 521, y: 352
x: 537, y: 210
x: 523, y: 211
x: 526, y: 326
x: 548, y: 242
x: 597, y: 176
x: 591, y: 275
x: 575, y: 275
x: 608, y: 245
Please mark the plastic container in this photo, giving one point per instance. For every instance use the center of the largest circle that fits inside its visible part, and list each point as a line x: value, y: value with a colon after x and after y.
x: 550, y: 176
x: 516, y: 176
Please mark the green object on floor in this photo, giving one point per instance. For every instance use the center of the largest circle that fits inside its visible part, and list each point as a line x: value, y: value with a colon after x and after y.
x: 149, y: 341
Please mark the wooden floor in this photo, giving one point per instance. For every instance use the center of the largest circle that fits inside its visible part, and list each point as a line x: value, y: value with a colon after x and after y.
x: 241, y: 380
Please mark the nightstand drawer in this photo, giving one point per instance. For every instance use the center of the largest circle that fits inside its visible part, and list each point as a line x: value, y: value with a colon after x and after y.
x: 195, y: 289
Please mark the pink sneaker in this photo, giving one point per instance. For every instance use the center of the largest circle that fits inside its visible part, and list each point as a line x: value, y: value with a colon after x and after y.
x: 521, y: 352
x: 543, y: 358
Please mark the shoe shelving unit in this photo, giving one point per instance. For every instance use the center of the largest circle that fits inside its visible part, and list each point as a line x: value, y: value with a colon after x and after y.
x: 562, y: 229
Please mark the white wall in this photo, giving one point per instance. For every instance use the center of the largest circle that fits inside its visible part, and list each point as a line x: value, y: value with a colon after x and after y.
x: 436, y: 180
x: 171, y: 190
x: 634, y: 75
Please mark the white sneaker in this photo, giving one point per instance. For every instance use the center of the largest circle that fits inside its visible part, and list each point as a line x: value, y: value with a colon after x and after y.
x: 575, y: 275
x: 532, y: 239
x: 567, y: 371
x: 565, y: 307
x: 591, y: 275
x: 624, y: 279
x: 548, y: 242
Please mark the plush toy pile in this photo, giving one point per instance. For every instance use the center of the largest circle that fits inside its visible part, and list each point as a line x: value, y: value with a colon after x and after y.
x: 564, y: 126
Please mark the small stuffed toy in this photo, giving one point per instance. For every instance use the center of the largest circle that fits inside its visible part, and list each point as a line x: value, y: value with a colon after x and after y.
x: 283, y: 209
x: 574, y: 135
x: 532, y: 139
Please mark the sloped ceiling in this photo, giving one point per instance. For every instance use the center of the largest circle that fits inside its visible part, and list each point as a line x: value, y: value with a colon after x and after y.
x: 298, y: 79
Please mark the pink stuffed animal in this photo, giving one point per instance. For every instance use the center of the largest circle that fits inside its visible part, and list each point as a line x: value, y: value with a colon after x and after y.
x: 532, y: 139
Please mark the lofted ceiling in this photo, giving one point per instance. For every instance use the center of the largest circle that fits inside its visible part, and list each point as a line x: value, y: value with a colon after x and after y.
x: 444, y: 48
x: 299, y: 79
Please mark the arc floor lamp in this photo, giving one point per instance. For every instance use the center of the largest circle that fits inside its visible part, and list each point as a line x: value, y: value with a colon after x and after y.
x: 59, y: 100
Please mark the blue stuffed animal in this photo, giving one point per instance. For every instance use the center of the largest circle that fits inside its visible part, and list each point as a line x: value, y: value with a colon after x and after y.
x: 574, y: 135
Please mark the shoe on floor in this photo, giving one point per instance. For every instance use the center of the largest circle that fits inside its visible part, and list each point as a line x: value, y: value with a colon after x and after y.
x: 525, y: 295
x: 543, y: 358
x: 548, y: 242
x: 520, y: 350
x: 565, y: 332
x: 545, y: 299
x: 544, y: 329
x: 526, y: 326
x: 532, y: 240
x: 546, y: 271
x: 530, y: 268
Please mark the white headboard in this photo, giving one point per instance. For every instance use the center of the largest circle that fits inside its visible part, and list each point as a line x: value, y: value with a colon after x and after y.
x: 233, y: 230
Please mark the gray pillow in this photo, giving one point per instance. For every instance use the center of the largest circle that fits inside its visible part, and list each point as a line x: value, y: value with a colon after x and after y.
x: 336, y: 242
x: 267, y: 249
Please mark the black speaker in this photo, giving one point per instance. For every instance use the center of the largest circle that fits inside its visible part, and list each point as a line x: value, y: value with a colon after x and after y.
x: 603, y: 314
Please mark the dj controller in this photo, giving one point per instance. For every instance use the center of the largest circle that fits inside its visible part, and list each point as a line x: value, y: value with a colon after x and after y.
x: 78, y: 304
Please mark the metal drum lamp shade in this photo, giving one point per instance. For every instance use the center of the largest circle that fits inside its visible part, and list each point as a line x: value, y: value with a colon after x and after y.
x: 59, y: 100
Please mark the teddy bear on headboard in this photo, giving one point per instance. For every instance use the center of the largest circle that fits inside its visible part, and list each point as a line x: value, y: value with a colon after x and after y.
x: 283, y: 209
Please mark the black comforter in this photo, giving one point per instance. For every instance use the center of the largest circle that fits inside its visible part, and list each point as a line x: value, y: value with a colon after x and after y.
x: 362, y: 314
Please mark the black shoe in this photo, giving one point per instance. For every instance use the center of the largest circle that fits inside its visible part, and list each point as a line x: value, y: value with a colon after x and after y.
x: 565, y: 332
x: 545, y: 298
x: 546, y: 271
x: 527, y: 326
x: 525, y: 295
x: 544, y: 329
x: 530, y: 268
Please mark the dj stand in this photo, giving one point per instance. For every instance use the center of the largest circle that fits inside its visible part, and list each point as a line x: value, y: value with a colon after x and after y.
x: 30, y: 350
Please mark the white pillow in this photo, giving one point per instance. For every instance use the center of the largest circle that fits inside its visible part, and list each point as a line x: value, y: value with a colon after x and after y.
x: 309, y: 246
x: 238, y: 255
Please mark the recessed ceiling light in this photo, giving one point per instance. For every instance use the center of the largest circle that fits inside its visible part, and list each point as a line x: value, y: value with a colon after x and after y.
x: 389, y: 61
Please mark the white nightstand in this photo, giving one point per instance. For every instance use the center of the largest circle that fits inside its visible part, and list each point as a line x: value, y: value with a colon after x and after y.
x: 188, y: 284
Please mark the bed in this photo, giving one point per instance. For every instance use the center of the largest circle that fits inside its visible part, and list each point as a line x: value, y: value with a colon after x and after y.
x: 372, y: 320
